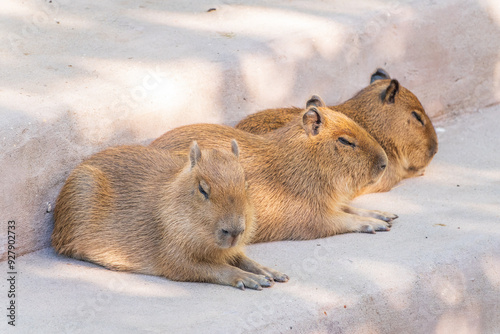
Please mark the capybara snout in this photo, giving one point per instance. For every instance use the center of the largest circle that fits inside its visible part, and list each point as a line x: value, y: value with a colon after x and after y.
x: 229, y: 230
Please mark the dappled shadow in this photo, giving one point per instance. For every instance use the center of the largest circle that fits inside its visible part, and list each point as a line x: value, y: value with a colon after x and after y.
x: 436, y: 271
x: 338, y: 285
x: 79, y: 77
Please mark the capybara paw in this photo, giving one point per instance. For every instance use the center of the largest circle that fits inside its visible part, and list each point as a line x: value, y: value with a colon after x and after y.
x: 270, y: 274
x: 389, y: 217
x: 373, y: 227
x: 385, y: 216
x: 280, y: 277
x: 275, y: 275
x: 264, y: 281
x: 256, y: 282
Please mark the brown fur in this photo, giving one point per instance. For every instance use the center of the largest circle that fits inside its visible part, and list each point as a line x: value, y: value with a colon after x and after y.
x: 385, y: 109
x: 143, y: 210
x: 302, y: 175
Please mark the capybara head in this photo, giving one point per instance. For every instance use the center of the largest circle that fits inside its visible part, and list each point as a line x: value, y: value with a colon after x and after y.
x: 398, y: 121
x: 342, y: 145
x: 220, y: 196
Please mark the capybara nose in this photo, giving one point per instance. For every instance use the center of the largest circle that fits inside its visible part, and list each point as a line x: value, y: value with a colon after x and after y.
x: 233, y: 232
x: 433, y: 149
x: 382, y: 161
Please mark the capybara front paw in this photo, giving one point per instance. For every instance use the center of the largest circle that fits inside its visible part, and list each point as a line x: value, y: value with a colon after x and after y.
x: 280, y: 277
x: 276, y: 275
x: 373, y: 227
x: 256, y: 282
x: 385, y: 216
x: 388, y: 217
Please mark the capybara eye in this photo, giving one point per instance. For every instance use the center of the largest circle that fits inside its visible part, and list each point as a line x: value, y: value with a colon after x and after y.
x: 344, y: 141
x: 417, y: 116
x: 202, y: 191
x: 225, y: 231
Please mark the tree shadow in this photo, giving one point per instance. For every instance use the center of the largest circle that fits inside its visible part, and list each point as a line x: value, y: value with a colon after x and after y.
x: 139, y: 70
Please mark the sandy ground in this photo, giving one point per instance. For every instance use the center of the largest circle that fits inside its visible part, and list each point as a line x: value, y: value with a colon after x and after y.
x: 436, y: 271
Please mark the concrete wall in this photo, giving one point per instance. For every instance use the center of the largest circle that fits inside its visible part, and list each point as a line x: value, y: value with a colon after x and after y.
x: 79, y: 76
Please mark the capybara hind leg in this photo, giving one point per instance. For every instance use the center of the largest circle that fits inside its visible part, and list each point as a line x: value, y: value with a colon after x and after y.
x: 385, y: 216
x: 226, y: 275
x: 247, y: 264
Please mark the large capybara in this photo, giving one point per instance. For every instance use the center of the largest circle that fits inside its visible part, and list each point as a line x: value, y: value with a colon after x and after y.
x: 302, y: 175
x: 141, y: 209
x: 389, y: 112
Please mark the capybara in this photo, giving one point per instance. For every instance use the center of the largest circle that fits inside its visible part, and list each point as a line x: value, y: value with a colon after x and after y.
x: 389, y: 112
x: 302, y: 175
x: 143, y: 210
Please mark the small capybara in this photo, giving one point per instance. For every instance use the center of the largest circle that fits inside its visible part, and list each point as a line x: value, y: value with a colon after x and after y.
x: 143, y: 210
x: 389, y: 112
x: 302, y: 175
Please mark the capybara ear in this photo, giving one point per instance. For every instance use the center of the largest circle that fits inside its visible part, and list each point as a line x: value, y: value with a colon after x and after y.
x: 315, y: 101
x: 380, y: 74
x: 194, y: 154
x: 234, y: 148
x: 389, y: 95
x: 312, y: 121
